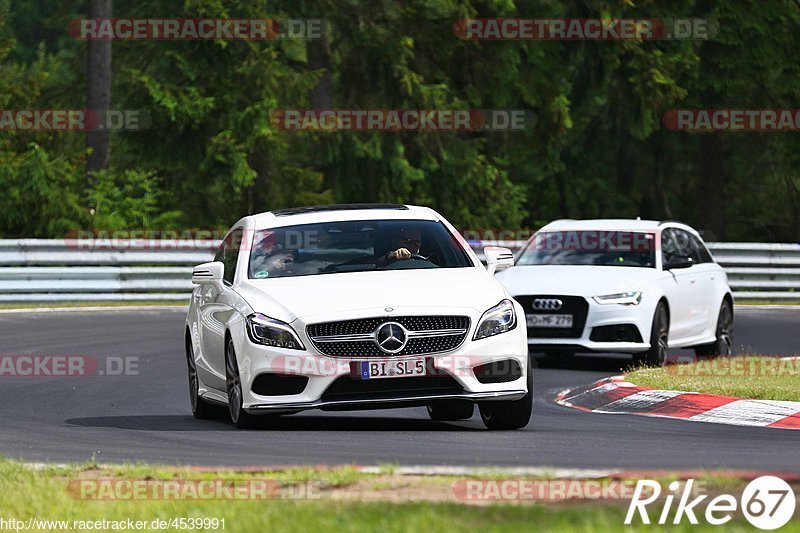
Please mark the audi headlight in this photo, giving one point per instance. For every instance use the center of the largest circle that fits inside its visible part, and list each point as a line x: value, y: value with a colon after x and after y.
x: 265, y: 330
x: 622, y: 298
x: 498, y: 319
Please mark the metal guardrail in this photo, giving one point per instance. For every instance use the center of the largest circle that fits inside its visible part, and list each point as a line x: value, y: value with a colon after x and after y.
x: 48, y: 270
x: 36, y: 270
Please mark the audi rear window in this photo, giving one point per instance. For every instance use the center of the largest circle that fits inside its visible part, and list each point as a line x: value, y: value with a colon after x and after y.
x: 591, y: 247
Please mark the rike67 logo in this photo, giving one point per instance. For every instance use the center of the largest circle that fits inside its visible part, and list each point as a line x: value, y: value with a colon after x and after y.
x: 767, y: 502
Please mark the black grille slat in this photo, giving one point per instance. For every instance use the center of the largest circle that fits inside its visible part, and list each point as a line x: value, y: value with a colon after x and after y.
x: 498, y: 371
x: 576, y: 306
x: 268, y: 384
x: 616, y: 333
x: 346, y: 388
x: 368, y: 348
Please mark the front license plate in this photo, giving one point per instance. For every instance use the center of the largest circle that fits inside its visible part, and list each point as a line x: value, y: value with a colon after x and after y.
x: 549, y: 321
x: 405, y: 368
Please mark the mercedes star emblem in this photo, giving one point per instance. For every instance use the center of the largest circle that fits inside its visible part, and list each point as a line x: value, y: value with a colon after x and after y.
x: 391, y: 337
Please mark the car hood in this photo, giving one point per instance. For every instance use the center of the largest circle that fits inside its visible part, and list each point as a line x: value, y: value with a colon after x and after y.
x: 356, y: 294
x: 578, y: 280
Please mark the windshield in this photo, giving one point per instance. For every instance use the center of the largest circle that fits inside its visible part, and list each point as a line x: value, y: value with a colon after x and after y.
x: 599, y: 248
x: 354, y: 246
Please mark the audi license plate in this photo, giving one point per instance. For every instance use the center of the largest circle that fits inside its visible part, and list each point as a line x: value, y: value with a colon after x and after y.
x: 549, y: 321
x: 405, y: 368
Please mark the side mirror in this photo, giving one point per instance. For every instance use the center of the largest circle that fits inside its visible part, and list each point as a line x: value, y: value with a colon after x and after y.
x: 680, y: 261
x: 208, y: 273
x: 497, y: 258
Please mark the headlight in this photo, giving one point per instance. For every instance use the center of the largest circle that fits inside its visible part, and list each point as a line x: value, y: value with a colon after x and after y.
x: 498, y: 319
x: 264, y: 330
x: 622, y: 298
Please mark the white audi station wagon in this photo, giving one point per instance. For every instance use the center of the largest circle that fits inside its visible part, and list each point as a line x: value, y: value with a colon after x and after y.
x: 355, y: 307
x: 628, y: 286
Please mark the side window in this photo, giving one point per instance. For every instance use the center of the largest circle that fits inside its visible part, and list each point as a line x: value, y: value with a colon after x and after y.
x: 669, y: 246
x: 686, y: 241
x: 220, y: 251
x: 229, y: 254
x: 703, y: 256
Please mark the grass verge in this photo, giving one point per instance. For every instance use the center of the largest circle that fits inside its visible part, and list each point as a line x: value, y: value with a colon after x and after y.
x: 767, y: 301
x: 761, y: 378
x: 346, y: 500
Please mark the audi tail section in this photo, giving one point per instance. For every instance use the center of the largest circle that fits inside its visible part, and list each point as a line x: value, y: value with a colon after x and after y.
x: 356, y: 307
x: 626, y: 286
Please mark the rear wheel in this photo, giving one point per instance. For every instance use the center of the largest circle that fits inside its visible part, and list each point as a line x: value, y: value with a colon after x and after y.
x: 723, y: 345
x: 200, y: 409
x: 509, y: 414
x: 451, y: 410
x: 659, y: 340
x: 233, y: 382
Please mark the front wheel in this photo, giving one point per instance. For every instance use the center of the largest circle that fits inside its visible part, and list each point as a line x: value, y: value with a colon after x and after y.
x: 233, y: 382
x: 723, y: 345
x: 659, y: 340
x: 200, y: 409
x: 509, y: 414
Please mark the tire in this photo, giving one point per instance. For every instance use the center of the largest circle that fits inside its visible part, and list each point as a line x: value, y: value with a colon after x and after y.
x: 233, y: 383
x: 200, y: 409
x: 445, y: 411
x: 659, y: 340
x: 723, y: 345
x: 509, y: 414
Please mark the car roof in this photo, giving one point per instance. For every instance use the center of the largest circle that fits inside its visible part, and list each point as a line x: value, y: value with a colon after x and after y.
x: 340, y: 213
x: 613, y: 224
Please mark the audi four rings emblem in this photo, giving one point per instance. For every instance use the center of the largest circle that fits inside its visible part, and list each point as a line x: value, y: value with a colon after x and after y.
x: 391, y: 337
x: 547, y: 304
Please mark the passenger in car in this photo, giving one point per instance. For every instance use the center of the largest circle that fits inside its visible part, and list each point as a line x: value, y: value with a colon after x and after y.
x: 270, y: 259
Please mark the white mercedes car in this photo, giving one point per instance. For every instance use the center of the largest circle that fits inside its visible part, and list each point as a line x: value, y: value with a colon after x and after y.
x: 359, y: 306
x: 625, y: 286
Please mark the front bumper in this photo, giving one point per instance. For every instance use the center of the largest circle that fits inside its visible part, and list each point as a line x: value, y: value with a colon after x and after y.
x: 597, y: 316
x: 322, y: 371
x: 383, y: 403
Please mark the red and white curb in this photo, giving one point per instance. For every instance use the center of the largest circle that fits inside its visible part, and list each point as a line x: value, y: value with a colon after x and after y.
x: 616, y: 396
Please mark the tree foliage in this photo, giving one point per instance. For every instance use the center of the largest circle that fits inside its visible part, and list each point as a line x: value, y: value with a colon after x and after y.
x: 598, y: 147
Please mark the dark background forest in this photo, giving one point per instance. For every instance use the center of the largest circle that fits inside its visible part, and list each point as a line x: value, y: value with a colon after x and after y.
x: 598, y: 147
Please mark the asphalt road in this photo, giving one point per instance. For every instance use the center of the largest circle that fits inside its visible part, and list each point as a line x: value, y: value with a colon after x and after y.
x: 146, y: 417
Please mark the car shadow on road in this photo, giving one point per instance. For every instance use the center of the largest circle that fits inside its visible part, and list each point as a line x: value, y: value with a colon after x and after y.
x: 305, y: 422
x: 592, y: 363
x: 601, y: 362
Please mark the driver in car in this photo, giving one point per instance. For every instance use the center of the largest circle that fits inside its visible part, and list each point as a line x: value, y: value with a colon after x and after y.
x: 404, y: 244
